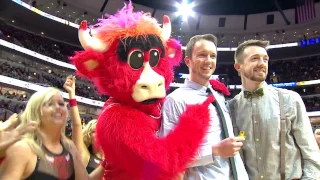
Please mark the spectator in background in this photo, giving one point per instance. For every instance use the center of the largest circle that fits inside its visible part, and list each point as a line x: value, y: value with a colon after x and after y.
x: 94, y: 154
x: 7, y: 94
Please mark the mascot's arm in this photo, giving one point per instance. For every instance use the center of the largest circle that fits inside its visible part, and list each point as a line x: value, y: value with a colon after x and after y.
x: 140, y: 152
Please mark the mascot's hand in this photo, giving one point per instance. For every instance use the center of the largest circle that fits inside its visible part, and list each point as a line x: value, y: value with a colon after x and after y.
x: 199, y: 111
x: 208, y: 101
x: 204, y: 105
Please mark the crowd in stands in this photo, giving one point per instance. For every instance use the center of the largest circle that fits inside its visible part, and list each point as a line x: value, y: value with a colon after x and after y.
x: 19, y: 97
x: 296, y: 70
x: 44, y: 79
x: 299, y: 68
x: 11, y: 103
x: 56, y: 50
x: 312, y: 103
x: 8, y: 107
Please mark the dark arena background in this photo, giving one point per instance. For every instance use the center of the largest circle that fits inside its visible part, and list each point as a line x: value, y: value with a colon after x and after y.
x: 38, y: 36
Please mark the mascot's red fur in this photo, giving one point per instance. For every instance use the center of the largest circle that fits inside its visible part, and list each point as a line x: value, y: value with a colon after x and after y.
x: 130, y: 57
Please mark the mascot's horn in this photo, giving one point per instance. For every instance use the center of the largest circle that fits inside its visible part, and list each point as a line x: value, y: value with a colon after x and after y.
x: 89, y: 41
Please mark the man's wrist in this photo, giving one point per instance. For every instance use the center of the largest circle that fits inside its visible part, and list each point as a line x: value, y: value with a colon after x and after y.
x: 215, y: 150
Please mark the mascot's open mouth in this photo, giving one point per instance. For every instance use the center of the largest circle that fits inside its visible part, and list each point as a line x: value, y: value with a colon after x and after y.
x: 149, y: 101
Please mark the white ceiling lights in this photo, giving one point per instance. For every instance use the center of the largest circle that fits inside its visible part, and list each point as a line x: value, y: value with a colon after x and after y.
x: 185, y: 9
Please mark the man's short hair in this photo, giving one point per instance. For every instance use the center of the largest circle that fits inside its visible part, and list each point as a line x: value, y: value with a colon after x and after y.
x: 196, y: 38
x: 239, y: 52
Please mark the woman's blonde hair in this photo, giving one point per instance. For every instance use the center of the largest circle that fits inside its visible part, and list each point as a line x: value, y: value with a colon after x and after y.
x: 87, y: 130
x: 33, y: 112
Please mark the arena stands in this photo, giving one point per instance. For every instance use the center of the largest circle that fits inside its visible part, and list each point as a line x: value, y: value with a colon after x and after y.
x: 280, y: 71
x: 10, y: 68
x: 37, y: 43
x: 301, y: 69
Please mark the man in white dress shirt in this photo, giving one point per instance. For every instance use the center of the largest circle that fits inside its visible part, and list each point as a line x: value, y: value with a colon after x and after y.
x: 218, y: 158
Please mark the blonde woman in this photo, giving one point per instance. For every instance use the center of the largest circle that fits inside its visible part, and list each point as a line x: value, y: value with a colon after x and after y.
x: 44, y: 153
x: 83, y: 139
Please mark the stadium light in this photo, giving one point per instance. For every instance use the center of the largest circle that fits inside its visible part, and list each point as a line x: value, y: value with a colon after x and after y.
x: 185, y: 9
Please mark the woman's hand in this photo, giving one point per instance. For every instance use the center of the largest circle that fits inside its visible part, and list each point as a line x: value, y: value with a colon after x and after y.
x: 70, y: 86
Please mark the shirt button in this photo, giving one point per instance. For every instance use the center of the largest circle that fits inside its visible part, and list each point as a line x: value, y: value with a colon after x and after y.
x: 255, y: 122
x: 259, y: 158
x: 261, y: 177
x: 257, y: 140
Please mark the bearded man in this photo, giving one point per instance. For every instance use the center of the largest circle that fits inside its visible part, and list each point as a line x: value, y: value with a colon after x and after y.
x: 279, y: 140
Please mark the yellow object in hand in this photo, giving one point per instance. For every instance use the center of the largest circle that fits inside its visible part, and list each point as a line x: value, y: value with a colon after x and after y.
x: 241, y: 134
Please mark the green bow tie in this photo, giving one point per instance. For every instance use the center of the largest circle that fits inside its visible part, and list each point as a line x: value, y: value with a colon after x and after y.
x: 257, y: 93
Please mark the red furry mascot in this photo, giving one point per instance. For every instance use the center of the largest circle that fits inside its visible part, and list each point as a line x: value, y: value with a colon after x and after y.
x: 130, y: 57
